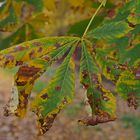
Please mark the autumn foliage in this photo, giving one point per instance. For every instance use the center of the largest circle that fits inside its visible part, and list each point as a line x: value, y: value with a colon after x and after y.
x: 109, y: 50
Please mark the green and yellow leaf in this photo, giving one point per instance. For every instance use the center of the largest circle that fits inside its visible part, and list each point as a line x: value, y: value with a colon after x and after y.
x: 35, y: 66
x: 22, y: 53
x: 110, y: 30
x: 128, y: 87
x: 101, y: 100
x: 58, y: 93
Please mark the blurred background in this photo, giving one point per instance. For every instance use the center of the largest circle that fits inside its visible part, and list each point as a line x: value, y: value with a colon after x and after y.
x: 23, y: 20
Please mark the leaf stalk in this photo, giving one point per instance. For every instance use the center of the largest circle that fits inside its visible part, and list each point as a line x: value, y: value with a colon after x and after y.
x: 91, y: 20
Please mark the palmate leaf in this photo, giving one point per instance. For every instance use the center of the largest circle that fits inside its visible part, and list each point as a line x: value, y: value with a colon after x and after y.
x: 60, y: 90
x: 113, y: 59
x: 102, y: 101
x: 117, y: 60
x: 110, y: 30
x: 34, y: 57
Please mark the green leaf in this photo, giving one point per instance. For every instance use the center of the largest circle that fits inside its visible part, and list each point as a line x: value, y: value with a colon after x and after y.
x: 107, y: 60
x: 110, y: 31
x: 58, y: 93
x: 101, y: 100
x: 128, y: 86
x: 131, y: 55
x: 124, y: 11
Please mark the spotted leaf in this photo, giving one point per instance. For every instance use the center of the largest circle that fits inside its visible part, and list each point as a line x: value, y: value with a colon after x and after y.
x: 58, y: 93
x: 29, y: 73
x: 101, y: 100
x: 22, y: 53
x: 128, y: 87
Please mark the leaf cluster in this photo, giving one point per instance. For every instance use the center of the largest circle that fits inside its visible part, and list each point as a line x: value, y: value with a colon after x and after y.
x: 111, y: 50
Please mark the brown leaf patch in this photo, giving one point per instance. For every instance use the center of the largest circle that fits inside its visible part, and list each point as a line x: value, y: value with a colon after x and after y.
x: 97, y: 119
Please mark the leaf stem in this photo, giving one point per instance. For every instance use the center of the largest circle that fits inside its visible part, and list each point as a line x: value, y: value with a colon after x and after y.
x: 89, y: 24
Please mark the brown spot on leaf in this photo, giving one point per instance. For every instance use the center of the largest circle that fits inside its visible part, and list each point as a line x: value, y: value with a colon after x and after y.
x: 31, y: 54
x: 25, y: 95
x: 108, y: 70
x: 37, y: 43
x: 95, y: 79
x: 46, y: 123
x: 132, y: 100
x: 121, y: 66
x: 58, y: 45
x: 28, y: 71
x: 85, y: 74
x: 111, y: 13
x: 23, y: 100
x: 86, y: 86
x: 136, y: 71
x: 47, y: 58
x: 131, y: 25
x: 58, y: 88
x: 6, y: 63
x: 23, y: 104
x: 8, y: 58
x: 36, y: 76
x: 40, y: 49
x: 18, y: 63
x: 21, y: 83
x: 19, y: 48
x: 44, y: 96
